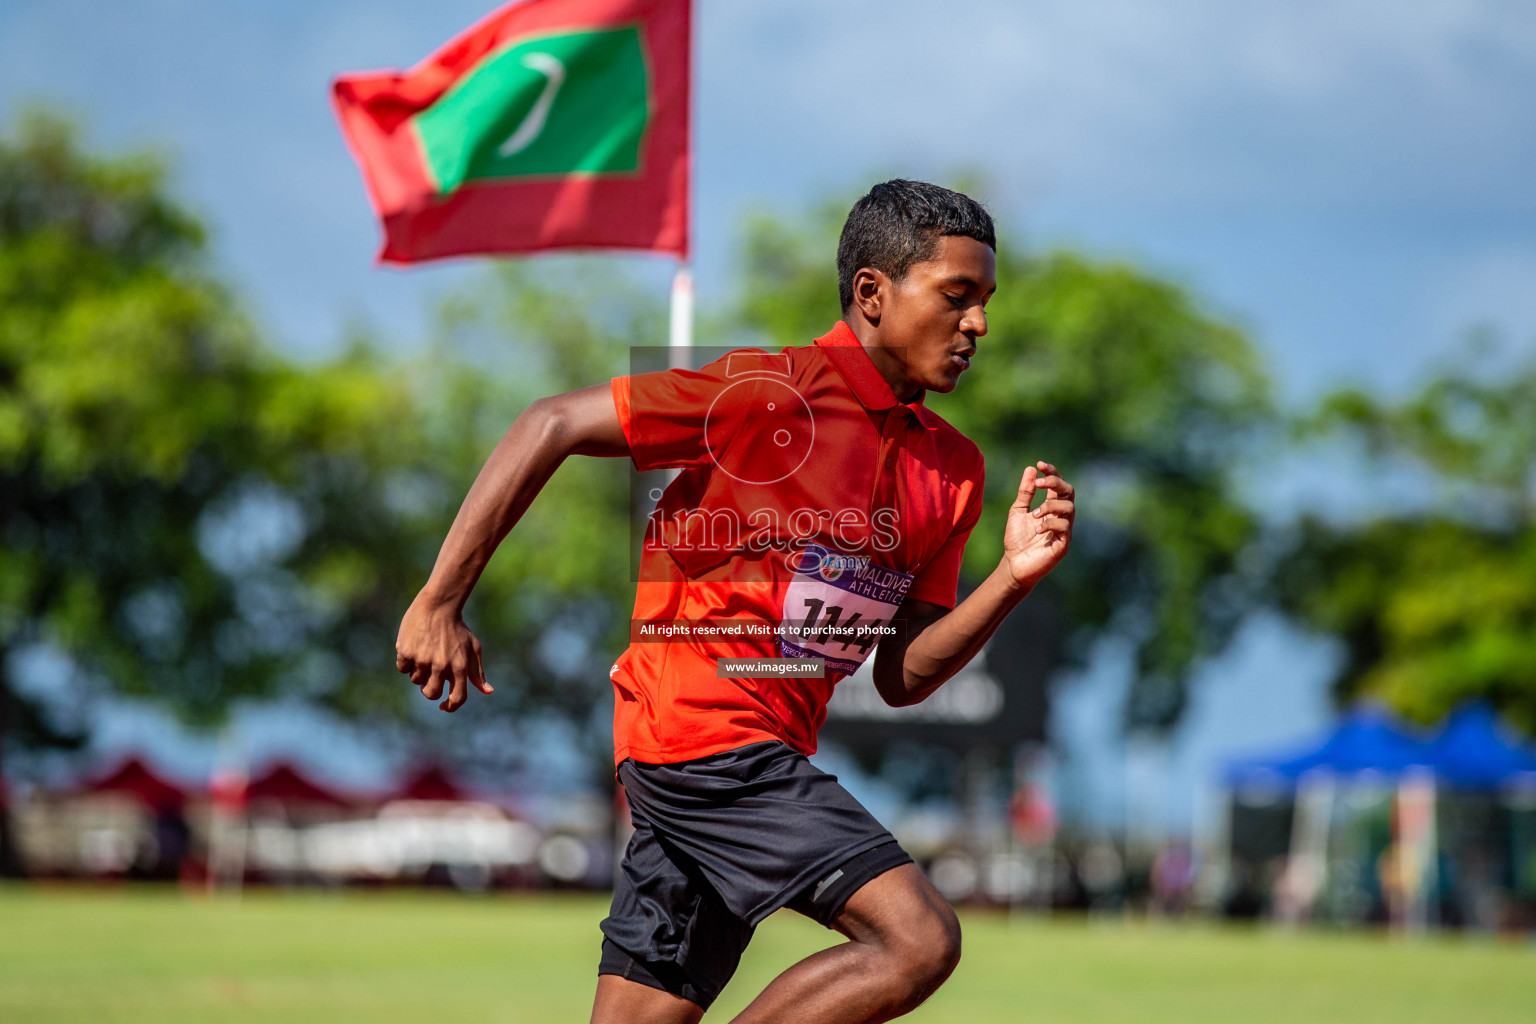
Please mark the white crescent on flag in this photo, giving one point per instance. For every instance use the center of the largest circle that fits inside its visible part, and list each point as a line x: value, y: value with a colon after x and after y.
x: 533, y: 123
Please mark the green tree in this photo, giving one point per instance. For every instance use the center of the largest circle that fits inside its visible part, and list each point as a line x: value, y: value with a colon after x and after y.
x: 1434, y: 600
x: 186, y: 516
x: 1147, y: 403
x: 197, y: 521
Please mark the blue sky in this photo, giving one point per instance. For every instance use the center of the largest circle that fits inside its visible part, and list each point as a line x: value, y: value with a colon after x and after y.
x: 1351, y: 181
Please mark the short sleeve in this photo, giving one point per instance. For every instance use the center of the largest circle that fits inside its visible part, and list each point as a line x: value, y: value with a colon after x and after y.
x: 683, y: 418
x: 939, y: 581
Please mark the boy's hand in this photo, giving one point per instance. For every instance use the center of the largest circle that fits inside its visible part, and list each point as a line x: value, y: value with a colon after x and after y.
x: 434, y: 647
x: 1034, y: 541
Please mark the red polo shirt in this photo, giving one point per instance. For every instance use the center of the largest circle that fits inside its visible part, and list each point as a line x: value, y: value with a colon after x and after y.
x: 807, y: 495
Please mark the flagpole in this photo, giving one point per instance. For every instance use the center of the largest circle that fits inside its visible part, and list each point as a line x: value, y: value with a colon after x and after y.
x: 680, y: 329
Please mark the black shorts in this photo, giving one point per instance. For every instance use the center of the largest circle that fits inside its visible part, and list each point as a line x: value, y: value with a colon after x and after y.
x: 722, y: 842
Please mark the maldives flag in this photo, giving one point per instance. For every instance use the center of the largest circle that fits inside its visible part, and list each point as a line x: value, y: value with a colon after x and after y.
x: 550, y: 124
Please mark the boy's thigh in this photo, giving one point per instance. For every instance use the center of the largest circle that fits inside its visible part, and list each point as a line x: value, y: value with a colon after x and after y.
x: 621, y: 1001
x: 824, y: 899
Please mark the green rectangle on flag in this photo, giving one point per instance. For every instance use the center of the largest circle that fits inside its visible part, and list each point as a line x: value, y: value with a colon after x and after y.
x: 566, y: 103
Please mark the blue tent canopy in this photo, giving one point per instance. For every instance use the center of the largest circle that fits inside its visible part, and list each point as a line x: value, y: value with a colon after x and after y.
x: 1474, y: 751
x: 1471, y: 751
x: 1368, y: 739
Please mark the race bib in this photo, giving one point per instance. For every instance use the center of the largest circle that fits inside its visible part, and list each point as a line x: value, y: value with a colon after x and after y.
x: 838, y: 607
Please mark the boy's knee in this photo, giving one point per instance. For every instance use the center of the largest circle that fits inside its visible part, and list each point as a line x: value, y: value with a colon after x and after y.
x: 928, y: 953
x: 911, y: 930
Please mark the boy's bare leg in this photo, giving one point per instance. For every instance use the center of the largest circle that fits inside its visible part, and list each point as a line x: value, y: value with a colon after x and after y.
x: 904, y: 940
x: 621, y: 1001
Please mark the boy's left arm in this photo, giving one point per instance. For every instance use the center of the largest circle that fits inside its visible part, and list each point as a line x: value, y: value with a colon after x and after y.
x: 937, y: 642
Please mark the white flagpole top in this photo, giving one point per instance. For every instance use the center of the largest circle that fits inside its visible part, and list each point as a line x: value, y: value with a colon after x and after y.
x: 680, y: 333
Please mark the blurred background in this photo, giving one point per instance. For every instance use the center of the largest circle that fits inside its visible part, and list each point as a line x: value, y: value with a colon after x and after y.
x: 1267, y: 294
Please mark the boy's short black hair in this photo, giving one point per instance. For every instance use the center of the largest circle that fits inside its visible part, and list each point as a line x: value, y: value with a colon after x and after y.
x: 899, y: 223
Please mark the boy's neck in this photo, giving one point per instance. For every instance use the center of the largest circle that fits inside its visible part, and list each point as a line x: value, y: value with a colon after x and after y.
x: 891, y: 364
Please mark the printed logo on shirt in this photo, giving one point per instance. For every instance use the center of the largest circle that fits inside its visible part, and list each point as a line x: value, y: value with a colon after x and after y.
x: 838, y: 607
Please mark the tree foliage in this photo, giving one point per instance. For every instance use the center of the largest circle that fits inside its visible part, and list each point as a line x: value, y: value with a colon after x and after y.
x: 1435, y: 600
x: 194, y: 519
x: 186, y: 515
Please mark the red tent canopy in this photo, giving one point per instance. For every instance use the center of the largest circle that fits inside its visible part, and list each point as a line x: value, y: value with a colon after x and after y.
x: 285, y: 783
x: 430, y: 783
x: 136, y: 779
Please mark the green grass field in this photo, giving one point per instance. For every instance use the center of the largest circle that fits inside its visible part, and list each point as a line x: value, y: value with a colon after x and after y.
x: 157, y: 955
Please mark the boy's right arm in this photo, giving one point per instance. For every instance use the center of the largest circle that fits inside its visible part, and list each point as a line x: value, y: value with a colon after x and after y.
x: 434, y: 646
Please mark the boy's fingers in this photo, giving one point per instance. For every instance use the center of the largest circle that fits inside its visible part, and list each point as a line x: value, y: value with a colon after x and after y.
x: 477, y: 671
x: 1055, y: 507
x: 1027, y: 486
x: 459, y: 693
x: 1058, y: 487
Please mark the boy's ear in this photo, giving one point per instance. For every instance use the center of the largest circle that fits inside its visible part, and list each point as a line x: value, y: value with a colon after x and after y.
x: 870, y: 289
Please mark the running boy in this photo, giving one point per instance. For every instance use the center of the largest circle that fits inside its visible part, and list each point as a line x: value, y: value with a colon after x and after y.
x: 821, y: 502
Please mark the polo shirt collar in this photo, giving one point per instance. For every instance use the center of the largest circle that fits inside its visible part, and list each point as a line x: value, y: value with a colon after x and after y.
x: 869, y: 385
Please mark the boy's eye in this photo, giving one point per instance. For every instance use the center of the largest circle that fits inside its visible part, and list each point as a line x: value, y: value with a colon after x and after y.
x: 955, y: 300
